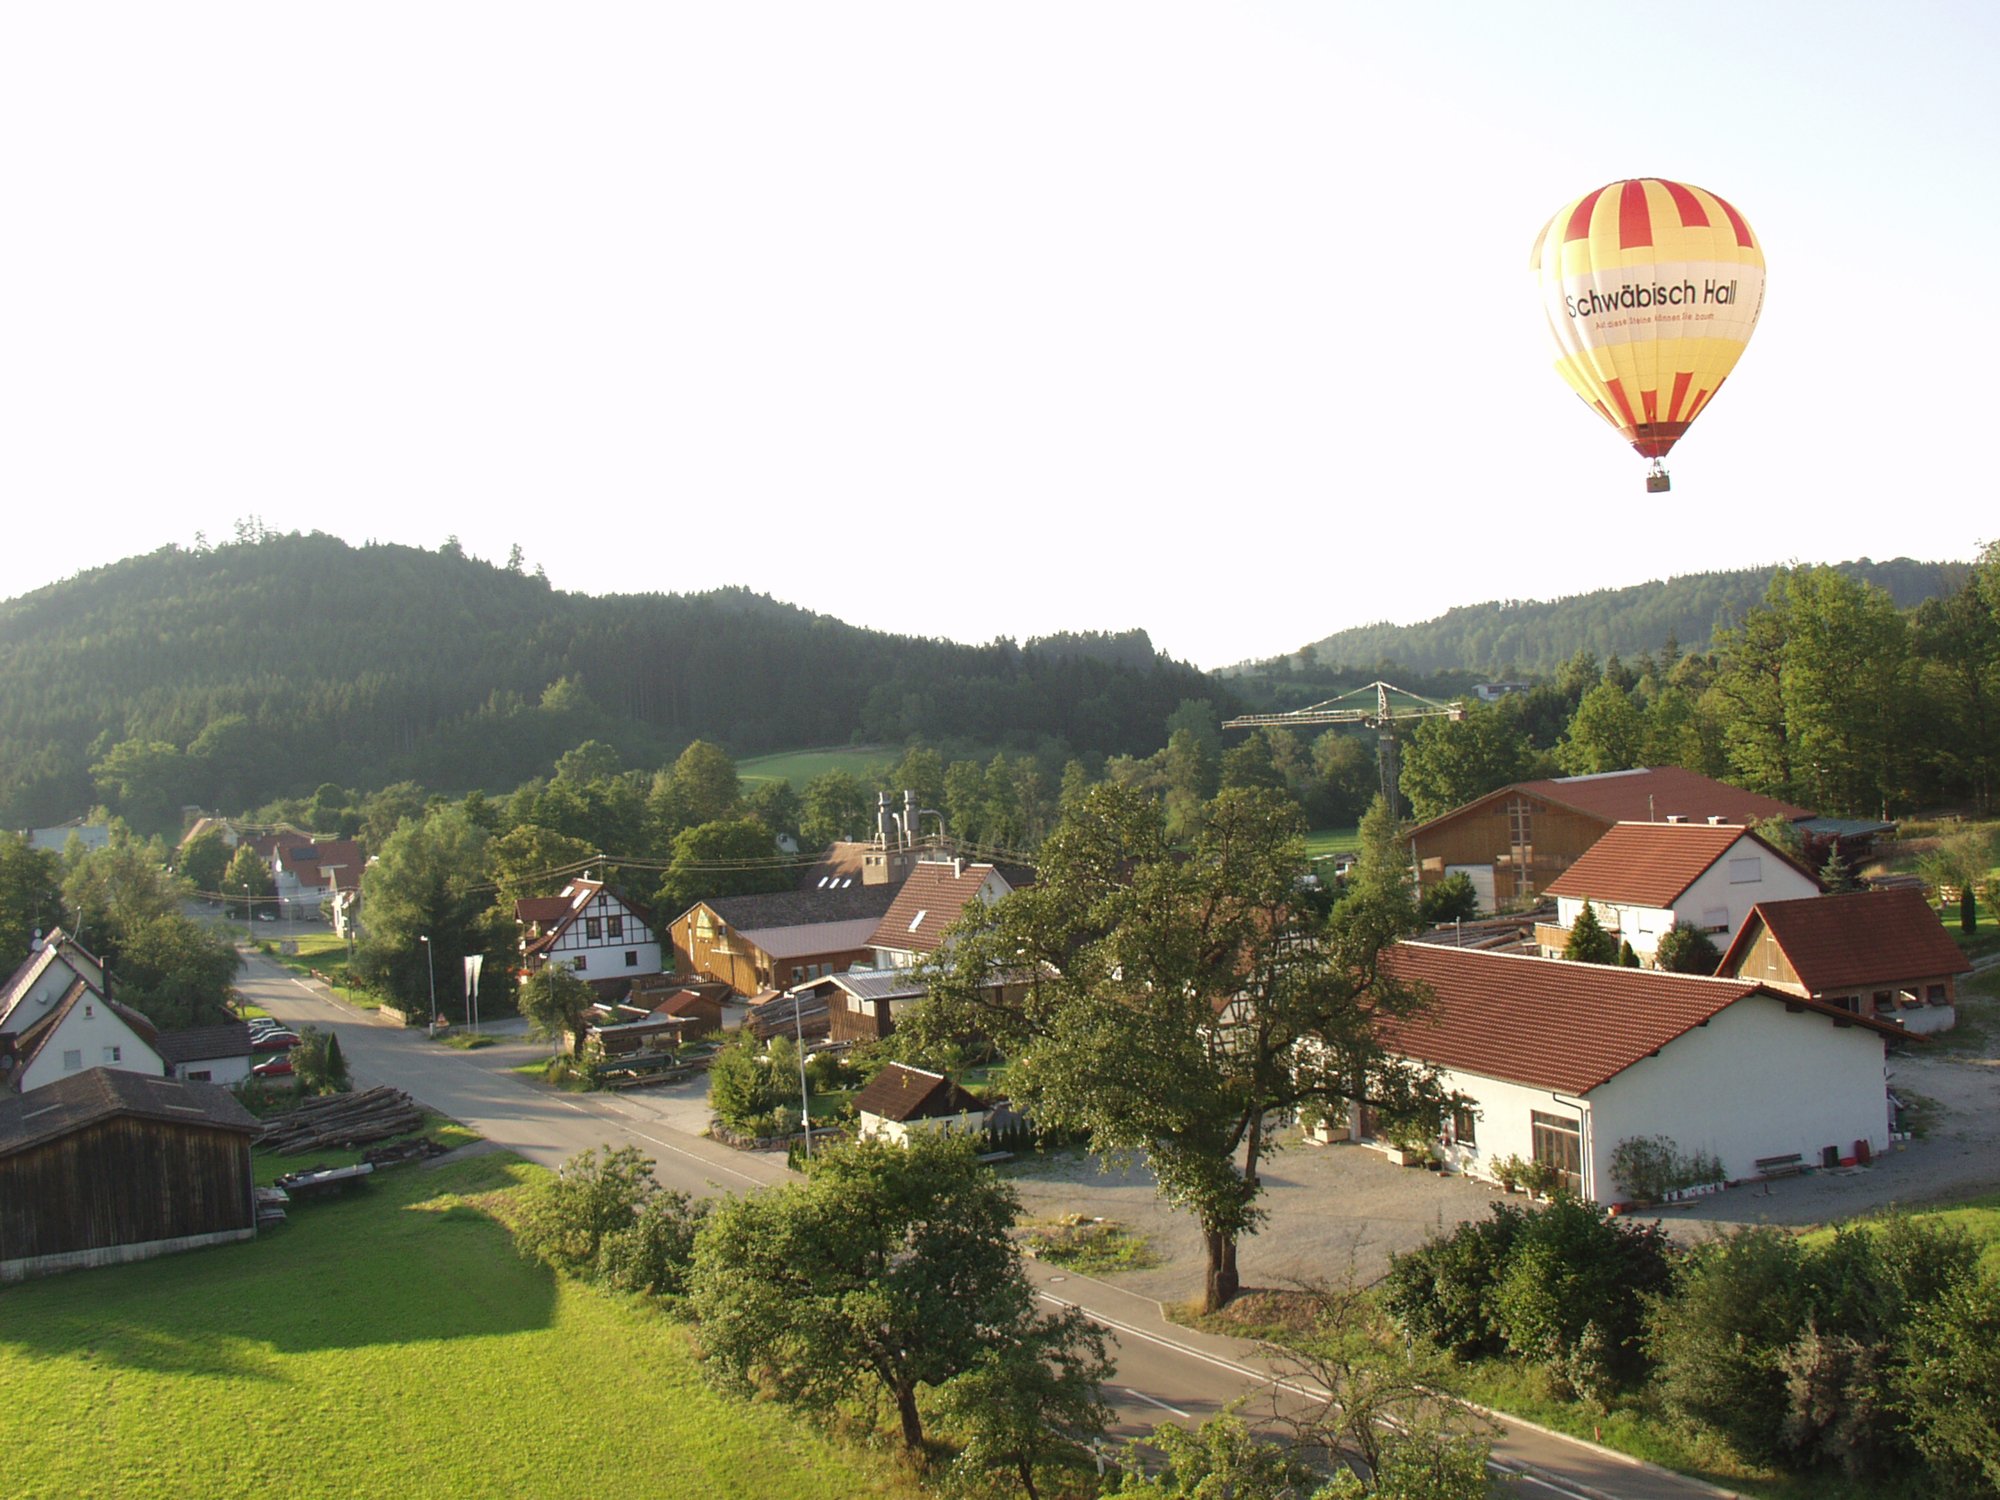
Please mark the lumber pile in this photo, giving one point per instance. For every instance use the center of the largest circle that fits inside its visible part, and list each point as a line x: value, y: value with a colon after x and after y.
x: 341, y: 1120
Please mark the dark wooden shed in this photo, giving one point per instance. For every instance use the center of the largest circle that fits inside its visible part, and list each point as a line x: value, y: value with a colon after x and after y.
x: 107, y: 1166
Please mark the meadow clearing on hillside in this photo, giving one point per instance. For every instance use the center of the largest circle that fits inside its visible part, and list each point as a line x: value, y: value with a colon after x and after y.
x: 866, y: 762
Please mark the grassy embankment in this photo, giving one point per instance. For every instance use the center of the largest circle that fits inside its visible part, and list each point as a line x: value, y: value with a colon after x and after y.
x: 323, y: 953
x: 1325, y: 841
x: 388, y: 1344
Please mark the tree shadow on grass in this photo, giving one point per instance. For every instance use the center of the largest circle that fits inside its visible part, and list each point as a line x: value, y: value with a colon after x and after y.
x: 395, y: 1263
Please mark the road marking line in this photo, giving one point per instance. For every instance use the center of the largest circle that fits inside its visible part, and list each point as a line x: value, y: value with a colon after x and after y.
x: 1154, y: 1401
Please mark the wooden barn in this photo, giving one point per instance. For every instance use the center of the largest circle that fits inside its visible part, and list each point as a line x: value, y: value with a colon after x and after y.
x: 1512, y: 843
x: 107, y: 1166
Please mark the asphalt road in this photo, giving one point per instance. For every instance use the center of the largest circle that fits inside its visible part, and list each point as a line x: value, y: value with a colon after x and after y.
x: 1164, y: 1370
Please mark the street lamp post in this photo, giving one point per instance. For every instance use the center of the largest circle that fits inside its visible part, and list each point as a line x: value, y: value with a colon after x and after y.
x: 805, y: 1100
x: 249, y: 932
x: 430, y: 961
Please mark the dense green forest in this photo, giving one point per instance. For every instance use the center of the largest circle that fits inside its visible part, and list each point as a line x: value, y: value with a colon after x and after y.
x: 231, y: 675
x: 1517, y: 638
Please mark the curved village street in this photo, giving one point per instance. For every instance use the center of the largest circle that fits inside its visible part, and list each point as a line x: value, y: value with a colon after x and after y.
x: 1164, y: 1370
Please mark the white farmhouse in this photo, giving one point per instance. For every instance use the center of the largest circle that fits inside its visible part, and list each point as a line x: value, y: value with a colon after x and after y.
x: 1643, y: 878
x: 591, y: 930
x: 1562, y: 1061
x: 55, y: 1021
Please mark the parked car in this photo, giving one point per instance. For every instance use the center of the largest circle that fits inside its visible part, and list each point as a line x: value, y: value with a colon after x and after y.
x: 273, y: 1067
x: 267, y: 916
x: 261, y: 1024
x: 274, y: 1041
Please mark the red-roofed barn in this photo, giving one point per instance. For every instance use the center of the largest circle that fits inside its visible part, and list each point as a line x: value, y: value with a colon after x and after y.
x: 1513, y: 842
x: 1880, y: 952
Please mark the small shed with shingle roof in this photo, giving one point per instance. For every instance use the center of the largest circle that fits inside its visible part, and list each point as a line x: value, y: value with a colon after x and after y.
x: 901, y: 1100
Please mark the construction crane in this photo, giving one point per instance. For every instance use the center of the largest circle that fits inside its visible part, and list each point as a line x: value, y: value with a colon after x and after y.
x: 1382, y: 716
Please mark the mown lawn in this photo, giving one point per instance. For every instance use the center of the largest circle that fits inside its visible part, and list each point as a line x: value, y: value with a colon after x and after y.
x: 1332, y: 841
x: 388, y: 1344
x: 800, y: 766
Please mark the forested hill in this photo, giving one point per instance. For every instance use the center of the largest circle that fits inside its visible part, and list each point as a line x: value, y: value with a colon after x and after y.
x: 1516, y: 637
x: 228, y: 676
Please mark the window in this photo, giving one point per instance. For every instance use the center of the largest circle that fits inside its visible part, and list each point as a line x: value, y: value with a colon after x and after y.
x: 1935, y: 994
x: 72, y: 1059
x: 1559, y: 1143
x: 1747, y: 871
x: 918, y: 920
x: 1885, y: 1002
x: 113, y: 1055
x: 1464, y: 1125
x: 631, y: 958
x: 593, y: 929
x: 203, y: 1076
x: 579, y: 963
x: 614, y: 927
x: 798, y: 974
x: 1715, y: 919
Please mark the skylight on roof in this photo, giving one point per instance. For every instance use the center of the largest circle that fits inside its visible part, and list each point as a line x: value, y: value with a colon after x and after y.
x: 918, y: 919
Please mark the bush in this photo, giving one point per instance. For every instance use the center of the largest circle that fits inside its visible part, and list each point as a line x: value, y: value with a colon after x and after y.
x: 742, y: 1088
x: 652, y: 1254
x: 1452, y: 899
x: 1948, y: 1385
x: 318, y: 1065
x: 1737, y: 1303
x: 1442, y: 1290
x: 1570, y: 1296
x: 565, y: 1221
x: 1651, y: 1166
x: 1686, y: 950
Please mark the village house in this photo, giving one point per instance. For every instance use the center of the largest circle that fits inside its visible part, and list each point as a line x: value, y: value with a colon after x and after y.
x: 1512, y: 843
x: 901, y: 1101
x: 1881, y: 953
x: 1560, y: 1062
x: 603, y: 937
x: 207, y: 1054
x: 782, y: 938
x: 933, y: 897
x: 1643, y: 878
x: 55, y: 1021
x: 105, y: 1165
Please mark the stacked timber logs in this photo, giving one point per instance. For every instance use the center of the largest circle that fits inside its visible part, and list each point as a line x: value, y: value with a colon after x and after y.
x: 341, y: 1120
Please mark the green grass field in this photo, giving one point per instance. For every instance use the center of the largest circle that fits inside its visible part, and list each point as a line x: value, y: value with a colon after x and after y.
x: 1332, y: 841
x: 800, y: 766
x: 388, y: 1344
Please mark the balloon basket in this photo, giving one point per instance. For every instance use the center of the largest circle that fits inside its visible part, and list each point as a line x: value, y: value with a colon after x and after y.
x: 1659, y: 482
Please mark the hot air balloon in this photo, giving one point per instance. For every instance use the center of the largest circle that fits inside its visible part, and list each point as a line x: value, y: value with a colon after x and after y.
x: 1652, y: 289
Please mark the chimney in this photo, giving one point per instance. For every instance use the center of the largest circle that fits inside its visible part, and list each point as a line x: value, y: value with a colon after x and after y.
x: 1716, y: 820
x: 957, y: 867
x: 882, y: 819
x: 1675, y: 818
x: 909, y: 818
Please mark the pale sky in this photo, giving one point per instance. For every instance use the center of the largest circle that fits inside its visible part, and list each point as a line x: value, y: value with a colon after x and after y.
x: 979, y: 320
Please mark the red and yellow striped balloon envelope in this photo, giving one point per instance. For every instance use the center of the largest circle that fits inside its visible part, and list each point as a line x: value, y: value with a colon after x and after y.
x: 1652, y: 289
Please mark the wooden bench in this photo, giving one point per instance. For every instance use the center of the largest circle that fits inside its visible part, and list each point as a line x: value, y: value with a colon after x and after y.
x: 1781, y: 1166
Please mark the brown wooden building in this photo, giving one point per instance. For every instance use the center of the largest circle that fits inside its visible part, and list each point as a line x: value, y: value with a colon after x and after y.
x: 107, y: 1166
x: 781, y: 939
x: 1512, y: 843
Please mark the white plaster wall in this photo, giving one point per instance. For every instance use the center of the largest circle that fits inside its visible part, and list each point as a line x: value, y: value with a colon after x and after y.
x: 874, y: 1127
x: 1641, y: 926
x: 1505, y: 1126
x: 1756, y: 1081
x: 223, y: 1072
x: 1713, y: 887
x: 89, y: 1028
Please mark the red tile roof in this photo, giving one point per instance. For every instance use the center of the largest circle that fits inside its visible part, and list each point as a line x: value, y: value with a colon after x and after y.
x: 900, y: 1093
x: 1553, y: 1024
x: 1645, y: 795
x: 1854, y: 939
x: 927, y: 903
x: 1651, y: 864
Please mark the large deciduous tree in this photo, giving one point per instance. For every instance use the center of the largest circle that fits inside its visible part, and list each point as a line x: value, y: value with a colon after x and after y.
x: 30, y: 895
x: 889, y: 1263
x: 431, y: 881
x: 1173, y: 1001
x: 1447, y: 763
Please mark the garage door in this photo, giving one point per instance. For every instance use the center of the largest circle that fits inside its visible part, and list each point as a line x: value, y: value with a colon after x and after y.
x: 1481, y: 877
